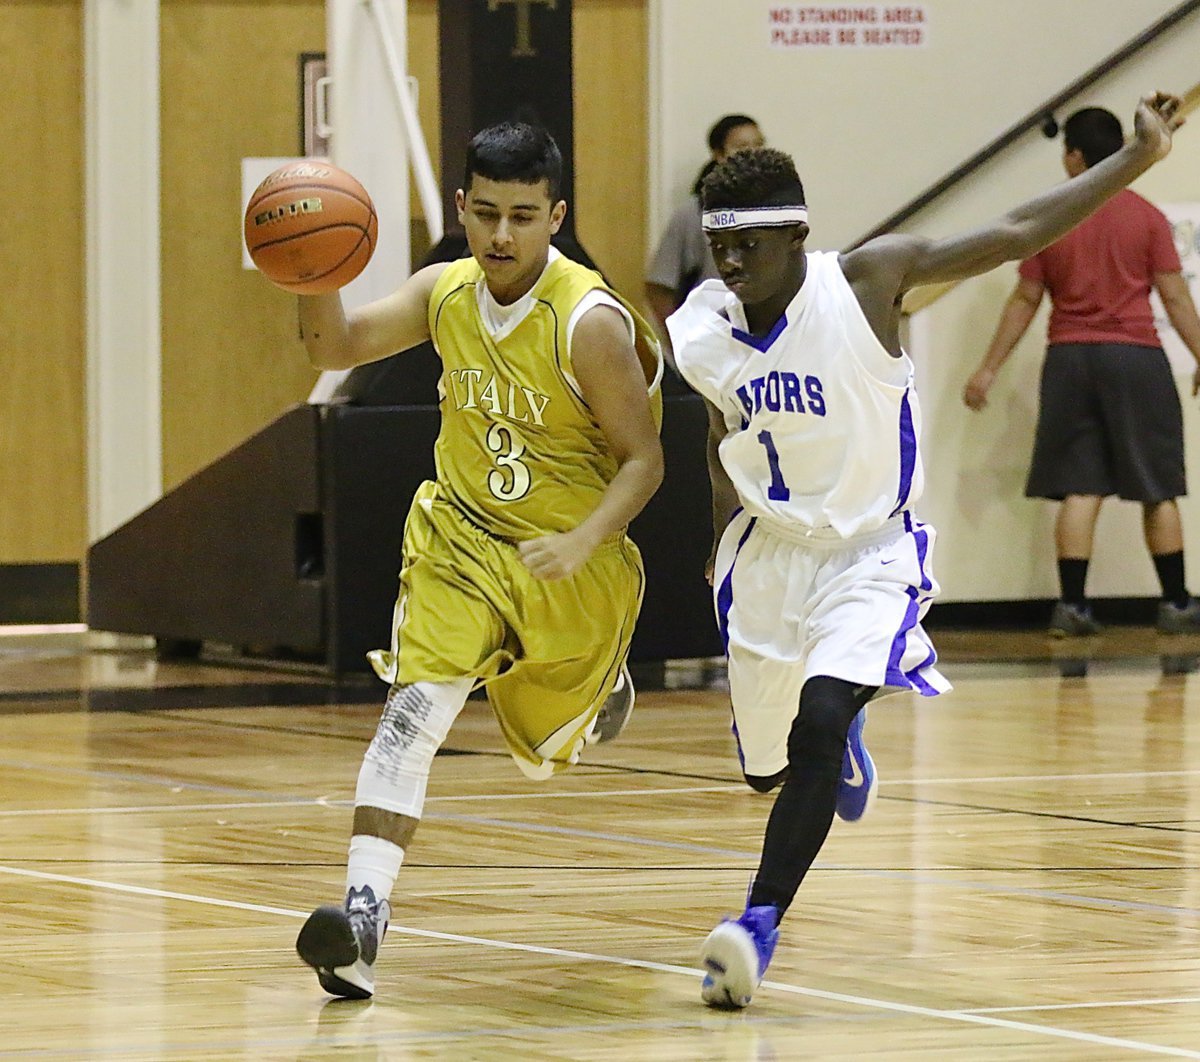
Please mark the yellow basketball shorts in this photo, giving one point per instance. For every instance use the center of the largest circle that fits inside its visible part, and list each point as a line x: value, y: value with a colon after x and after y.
x: 549, y: 652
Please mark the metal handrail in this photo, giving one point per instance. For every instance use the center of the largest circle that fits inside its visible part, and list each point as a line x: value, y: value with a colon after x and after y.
x: 922, y: 298
x: 1032, y: 120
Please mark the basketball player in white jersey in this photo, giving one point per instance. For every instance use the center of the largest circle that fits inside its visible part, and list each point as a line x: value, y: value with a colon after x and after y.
x: 821, y: 571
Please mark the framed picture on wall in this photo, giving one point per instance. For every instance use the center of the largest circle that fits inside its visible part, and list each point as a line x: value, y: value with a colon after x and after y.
x: 314, y: 105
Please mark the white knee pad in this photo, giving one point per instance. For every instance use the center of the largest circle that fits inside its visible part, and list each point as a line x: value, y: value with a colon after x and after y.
x: 415, y: 722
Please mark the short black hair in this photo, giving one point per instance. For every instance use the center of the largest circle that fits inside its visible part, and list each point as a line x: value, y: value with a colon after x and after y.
x: 1094, y: 132
x: 515, y: 151
x: 755, y: 177
x: 722, y: 127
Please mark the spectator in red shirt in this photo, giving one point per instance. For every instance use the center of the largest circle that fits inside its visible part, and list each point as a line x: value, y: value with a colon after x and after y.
x: 1109, y: 419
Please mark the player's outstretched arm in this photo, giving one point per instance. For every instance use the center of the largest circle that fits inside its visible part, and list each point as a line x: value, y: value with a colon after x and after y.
x: 904, y: 262
x: 613, y: 385
x: 335, y: 339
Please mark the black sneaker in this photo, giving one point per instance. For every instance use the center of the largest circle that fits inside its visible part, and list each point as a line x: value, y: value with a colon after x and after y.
x: 1175, y: 620
x: 341, y: 943
x: 615, y: 711
x: 1068, y: 621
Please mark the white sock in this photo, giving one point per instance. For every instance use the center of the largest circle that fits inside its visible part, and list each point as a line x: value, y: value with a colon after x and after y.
x: 374, y: 862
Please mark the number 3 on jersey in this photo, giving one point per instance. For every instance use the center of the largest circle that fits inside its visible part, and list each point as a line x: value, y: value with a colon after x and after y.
x: 511, y: 480
x: 778, y: 490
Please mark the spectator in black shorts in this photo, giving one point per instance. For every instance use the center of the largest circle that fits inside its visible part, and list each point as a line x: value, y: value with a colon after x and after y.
x: 1109, y: 420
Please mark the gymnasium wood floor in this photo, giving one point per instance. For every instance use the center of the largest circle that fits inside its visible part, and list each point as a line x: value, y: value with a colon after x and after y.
x: 1026, y: 887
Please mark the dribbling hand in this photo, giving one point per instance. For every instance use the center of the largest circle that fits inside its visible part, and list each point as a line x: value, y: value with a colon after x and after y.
x: 554, y: 556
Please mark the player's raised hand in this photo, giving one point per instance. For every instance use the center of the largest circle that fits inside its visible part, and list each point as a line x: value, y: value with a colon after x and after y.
x: 1156, y: 119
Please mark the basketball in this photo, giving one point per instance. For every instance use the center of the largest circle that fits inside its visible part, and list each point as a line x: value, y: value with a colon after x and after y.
x: 310, y: 227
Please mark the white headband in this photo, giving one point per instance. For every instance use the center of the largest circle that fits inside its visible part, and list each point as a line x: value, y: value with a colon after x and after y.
x: 753, y: 217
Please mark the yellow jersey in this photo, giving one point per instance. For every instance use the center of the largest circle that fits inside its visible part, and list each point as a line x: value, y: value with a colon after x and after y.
x: 519, y: 451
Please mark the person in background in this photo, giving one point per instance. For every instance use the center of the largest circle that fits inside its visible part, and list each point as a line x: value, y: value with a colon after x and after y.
x: 682, y: 258
x: 1109, y: 419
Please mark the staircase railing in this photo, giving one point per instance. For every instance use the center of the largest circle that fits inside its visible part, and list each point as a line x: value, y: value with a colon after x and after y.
x: 1039, y: 116
x: 924, y: 297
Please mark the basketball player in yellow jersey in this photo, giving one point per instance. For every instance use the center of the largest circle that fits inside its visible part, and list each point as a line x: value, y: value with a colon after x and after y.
x: 516, y: 570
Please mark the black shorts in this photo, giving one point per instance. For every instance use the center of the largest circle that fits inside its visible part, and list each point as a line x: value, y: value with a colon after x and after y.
x: 1110, y: 422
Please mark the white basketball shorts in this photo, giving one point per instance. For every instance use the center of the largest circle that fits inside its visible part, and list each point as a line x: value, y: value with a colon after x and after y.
x: 792, y: 606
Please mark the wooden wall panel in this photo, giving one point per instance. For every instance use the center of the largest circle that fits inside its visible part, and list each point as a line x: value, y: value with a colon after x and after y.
x: 611, y: 123
x: 231, y: 355
x: 43, y: 500
x: 232, y: 358
x: 611, y: 136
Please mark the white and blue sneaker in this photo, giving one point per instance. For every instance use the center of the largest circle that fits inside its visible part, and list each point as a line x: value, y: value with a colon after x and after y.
x: 856, y: 791
x: 735, y: 957
x: 341, y: 943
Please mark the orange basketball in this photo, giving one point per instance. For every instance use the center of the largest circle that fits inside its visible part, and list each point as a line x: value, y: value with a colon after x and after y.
x: 310, y: 227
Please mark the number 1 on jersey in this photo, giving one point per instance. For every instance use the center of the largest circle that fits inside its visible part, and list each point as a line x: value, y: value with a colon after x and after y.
x: 778, y: 490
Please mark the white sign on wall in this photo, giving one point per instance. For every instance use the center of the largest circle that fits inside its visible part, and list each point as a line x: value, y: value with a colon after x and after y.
x: 1185, y: 226
x: 826, y: 26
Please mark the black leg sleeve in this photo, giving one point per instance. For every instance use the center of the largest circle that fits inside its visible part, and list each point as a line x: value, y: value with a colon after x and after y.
x: 803, y: 811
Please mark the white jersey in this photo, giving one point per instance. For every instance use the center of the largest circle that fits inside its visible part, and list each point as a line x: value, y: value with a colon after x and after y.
x: 822, y: 421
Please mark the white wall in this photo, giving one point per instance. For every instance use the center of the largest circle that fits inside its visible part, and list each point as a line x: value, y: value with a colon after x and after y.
x: 124, y: 343
x: 870, y: 130
x: 996, y: 544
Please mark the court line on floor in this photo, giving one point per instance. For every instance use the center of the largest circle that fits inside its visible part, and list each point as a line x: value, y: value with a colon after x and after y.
x: 920, y: 877
x: 351, y: 1039
x: 1086, y: 1006
x: 1005, y: 778
x: 176, y: 783
x: 596, y: 835
x: 910, y: 1009
x: 533, y: 794
x: 162, y: 781
x: 349, y: 802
